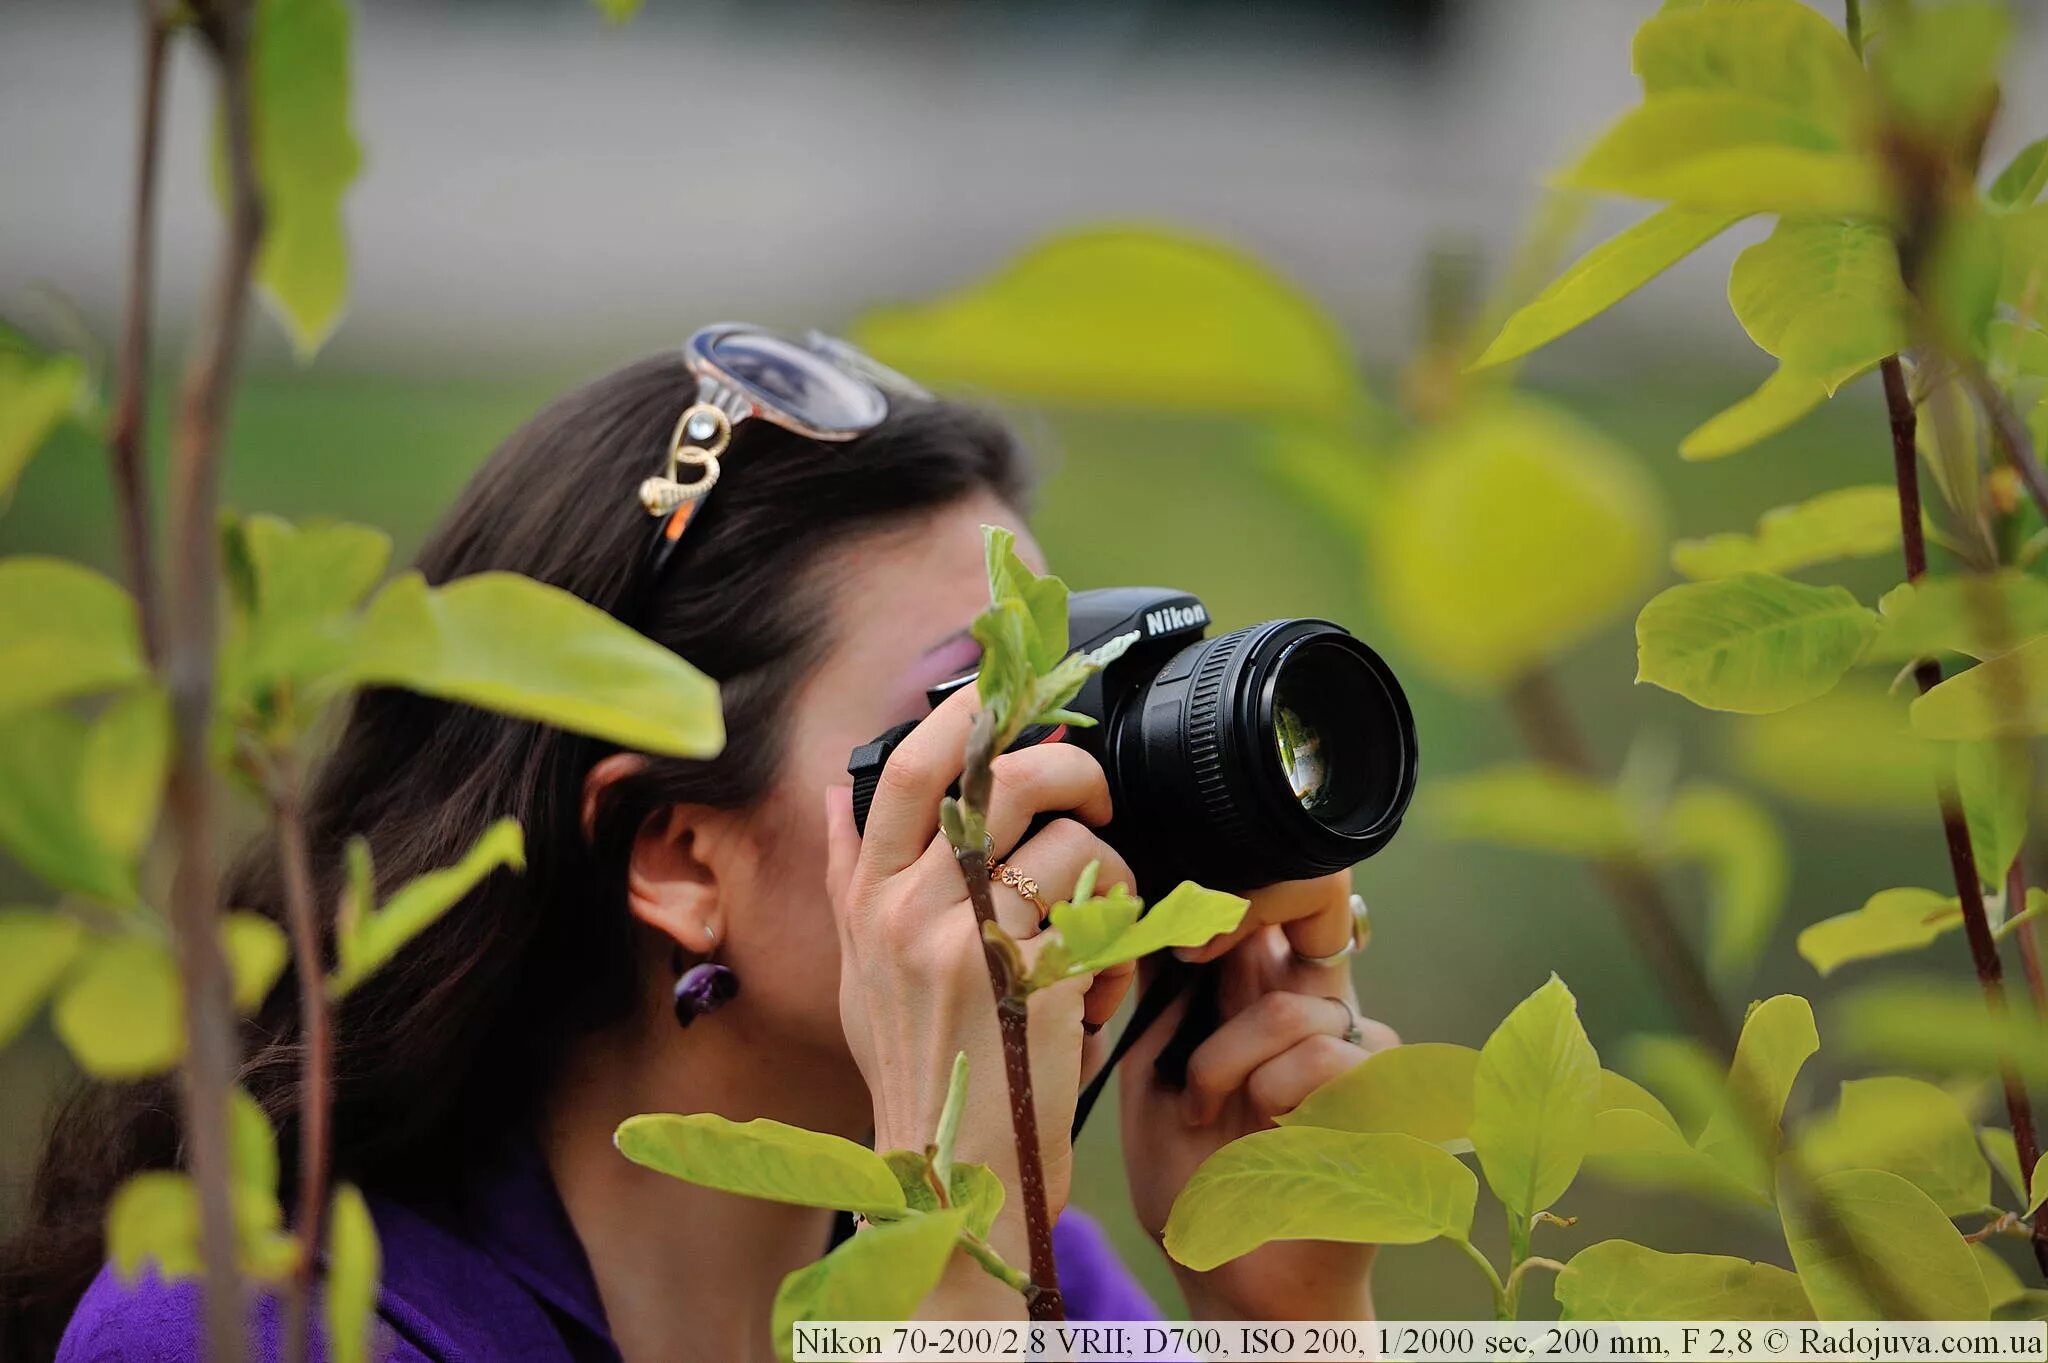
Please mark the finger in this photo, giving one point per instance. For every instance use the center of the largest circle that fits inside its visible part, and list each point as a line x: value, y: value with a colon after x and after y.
x: 1048, y: 779
x: 1106, y: 994
x: 1282, y: 1083
x: 905, y: 812
x: 1054, y: 857
x: 1315, y: 915
x: 1276, y: 1021
x: 842, y: 851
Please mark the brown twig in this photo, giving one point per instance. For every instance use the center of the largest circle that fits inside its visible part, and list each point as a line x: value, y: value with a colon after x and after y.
x: 2030, y: 945
x: 976, y: 783
x: 1955, y: 828
x: 188, y: 666
x: 316, y: 1085
x: 1546, y: 727
x: 126, y: 428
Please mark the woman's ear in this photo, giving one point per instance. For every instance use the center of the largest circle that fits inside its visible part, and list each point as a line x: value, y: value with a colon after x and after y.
x: 673, y: 866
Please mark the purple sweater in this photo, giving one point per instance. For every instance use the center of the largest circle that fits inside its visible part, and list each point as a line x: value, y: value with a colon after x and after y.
x: 497, y: 1275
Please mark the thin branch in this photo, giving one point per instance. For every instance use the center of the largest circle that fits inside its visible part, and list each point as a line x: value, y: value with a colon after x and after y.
x: 2023, y: 925
x: 2010, y: 434
x: 126, y: 429
x: 1955, y: 828
x: 316, y: 1087
x: 976, y: 782
x: 1547, y: 728
x: 189, y: 673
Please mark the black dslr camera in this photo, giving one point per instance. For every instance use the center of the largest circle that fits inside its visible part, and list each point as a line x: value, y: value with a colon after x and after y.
x: 1281, y: 751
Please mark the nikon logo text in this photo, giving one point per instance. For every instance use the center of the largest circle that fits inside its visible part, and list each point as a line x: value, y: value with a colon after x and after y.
x: 1169, y: 618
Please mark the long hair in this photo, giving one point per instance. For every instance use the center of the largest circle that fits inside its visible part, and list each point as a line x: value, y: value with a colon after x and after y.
x: 459, y: 1037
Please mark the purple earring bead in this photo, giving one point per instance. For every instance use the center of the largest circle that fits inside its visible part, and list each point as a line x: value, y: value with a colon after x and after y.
x: 704, y: 988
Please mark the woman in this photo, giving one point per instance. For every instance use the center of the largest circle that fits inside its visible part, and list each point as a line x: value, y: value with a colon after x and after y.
x: 479, y: 1077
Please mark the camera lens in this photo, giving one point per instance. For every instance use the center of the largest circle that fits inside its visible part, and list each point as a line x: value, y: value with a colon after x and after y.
x: 1302, y: 757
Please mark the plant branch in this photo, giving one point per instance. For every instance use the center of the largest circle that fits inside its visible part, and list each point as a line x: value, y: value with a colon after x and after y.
x: 976, y: 782
x: 2010, y: 434
x: 1546, y: 726
x: 2020, y: 922
x: 316, y: 1095
x: 1962, y: 859
x: 1500, y: 1292
x: 126, y: 428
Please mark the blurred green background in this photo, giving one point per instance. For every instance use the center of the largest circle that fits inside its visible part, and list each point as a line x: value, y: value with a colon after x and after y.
x: 544, y: 201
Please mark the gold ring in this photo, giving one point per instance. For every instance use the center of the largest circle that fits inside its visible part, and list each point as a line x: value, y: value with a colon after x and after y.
x: 1009, y: 876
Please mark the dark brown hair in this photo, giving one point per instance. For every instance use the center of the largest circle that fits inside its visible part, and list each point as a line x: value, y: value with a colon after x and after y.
x: 458, y: 1038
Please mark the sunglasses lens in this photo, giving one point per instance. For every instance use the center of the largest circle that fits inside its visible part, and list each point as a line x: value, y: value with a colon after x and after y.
x: 799, y: 383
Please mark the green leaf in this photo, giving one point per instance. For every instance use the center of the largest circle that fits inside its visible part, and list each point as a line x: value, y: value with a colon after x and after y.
x: 882, y: 1273
x: 1890, y: 921
x: 1619, y: 1092
x: 1532, y: 806
x: 1636, y: 1148
x: 2001, y: 1284
x: 36, y: 948
x: 618, y: 11
x: 1188, y: 916
x: 1938, y: 66
x: 1707, y: 1102
x: 1778, y: 1038
x: 252, y: 1147
x: 764, y: 1159
x: 1620, y: 1280
x: 1422, y: 1089
x: 973, y: 1188
x: 2023, y: 178
x: 2003, y: 1153
x: 1776, y: 50
x: 1728, y: 152
x: 2001, y: 697
x: 355, y: 1262
x: 46, y: 821
x: 64, y: 631
x: 1824, y: 297
x: 1550, y: 490
x: 1533, y: 1098
x: 369, y: 941
x: 1938, y: 1026
x: 1853, y: 749
x: 1787, y: 395
x: 1980, y: 614
x: 256, y: 950
x: 1129, y: 317
x: 36, y: 391
x: 1995, y: 781
x: 119, y: 1014
x: 516, y: 646
x: 1753, y: 643
x: 306, y: 158
x: 121, y: 771
x: 154, y: 1218
x: 304, y: 583
x: 1308, y: 1183
x: 1902, y: 1241
x: 1747, y: 867
x: 1907, y: 1127
x: 1603, y: 277
x: 1044, y: 598
x: 1849, y: 522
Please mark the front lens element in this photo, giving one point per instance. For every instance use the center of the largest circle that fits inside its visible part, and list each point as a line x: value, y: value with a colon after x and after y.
x: 798, y: 382
x: 1340, y: 737
x: 1302, y: 758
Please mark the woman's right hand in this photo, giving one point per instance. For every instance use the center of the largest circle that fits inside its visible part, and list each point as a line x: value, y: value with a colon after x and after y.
x: 914, y: 986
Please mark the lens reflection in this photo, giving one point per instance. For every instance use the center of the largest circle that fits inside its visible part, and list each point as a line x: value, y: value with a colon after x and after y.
x: 1302, y: 758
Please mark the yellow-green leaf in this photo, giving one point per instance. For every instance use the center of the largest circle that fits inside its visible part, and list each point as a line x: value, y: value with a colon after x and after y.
x: 366, y: 941
x: 1603, y: 277
x: 1938, y: 66
x: 1849, y: 522
x: 1128, y: 317
x: 973, y: 1188
x: 1939, y: 1026
x: 1918, y: 1262
x: 1550, y: 490
x: 1620, y: 1280
x: 64, y: 631
x: 297, y: 626
x: 1778, y: 1038
x: 256, y: 950
x: 1979, y: 614
x: 45, y: 821
x: 882, y: 1273
x: 1533, y: 1098
x: 1423, y: 1089
x: 355, y: 1262
x: 36, y: 948
x: 1753, y: 643
x: 36, y: 391
x: 1747, y: 867
x: 1309, y: 1183
x: 2001, y: 697
x: 510, y: 644
x: 1533, y: 806
x: 2003, y: 1153
x: 1890, y: 921
x: 1822, y: 296
x: 154, y: 1218
x: 1777, y: 50
x: 1910, y: 1128
x: 1787, y: 395
x: 765, y: 1159
x: 1188, y: 916
x: 1637, y: 1148
x: 121, y: 773
x: 306, y: 158
x: 1618, y: 1091
x: 618, y: 11
x: 1853, y: 749
x: 2023, y: 178
x: 119, y: 1013
x: 1995, y: 781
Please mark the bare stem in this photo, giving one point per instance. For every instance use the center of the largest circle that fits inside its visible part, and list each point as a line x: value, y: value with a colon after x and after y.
x: 2030, y: 945
x: 188, y: 666
x: 1955, y: 829
x: 126, y: 429
x: 1547, y: 728
x: 2009, y: 433
x: 316, y: 1086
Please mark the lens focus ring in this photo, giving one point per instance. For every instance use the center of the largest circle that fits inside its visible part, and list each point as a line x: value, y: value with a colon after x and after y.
x: 1207, y: 713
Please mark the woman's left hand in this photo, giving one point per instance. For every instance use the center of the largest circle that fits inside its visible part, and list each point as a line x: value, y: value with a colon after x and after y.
x: 1283, y: 1035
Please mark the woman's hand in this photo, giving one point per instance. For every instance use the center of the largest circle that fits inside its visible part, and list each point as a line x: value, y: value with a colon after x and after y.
x: 913, y: 982
x: 1283, y: 1035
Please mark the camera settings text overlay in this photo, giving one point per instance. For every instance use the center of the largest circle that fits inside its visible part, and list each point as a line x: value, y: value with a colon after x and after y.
x: 1339, y: 1341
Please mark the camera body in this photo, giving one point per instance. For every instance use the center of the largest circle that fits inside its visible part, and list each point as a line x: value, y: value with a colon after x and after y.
x: 1278, y: 752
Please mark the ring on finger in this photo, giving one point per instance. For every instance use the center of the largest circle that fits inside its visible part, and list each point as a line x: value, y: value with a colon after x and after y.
x: 1010, y: 877
x: 1352, y: 1032
x: 1361, y: 937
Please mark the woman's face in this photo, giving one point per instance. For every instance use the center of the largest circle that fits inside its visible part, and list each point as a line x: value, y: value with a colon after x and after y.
x: 900, y: 606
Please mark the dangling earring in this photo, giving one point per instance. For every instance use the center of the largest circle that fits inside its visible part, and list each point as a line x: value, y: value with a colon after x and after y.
x: 702, y: 988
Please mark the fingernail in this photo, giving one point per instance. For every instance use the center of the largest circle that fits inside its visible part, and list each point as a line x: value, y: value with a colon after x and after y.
x: 1187, y: 955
